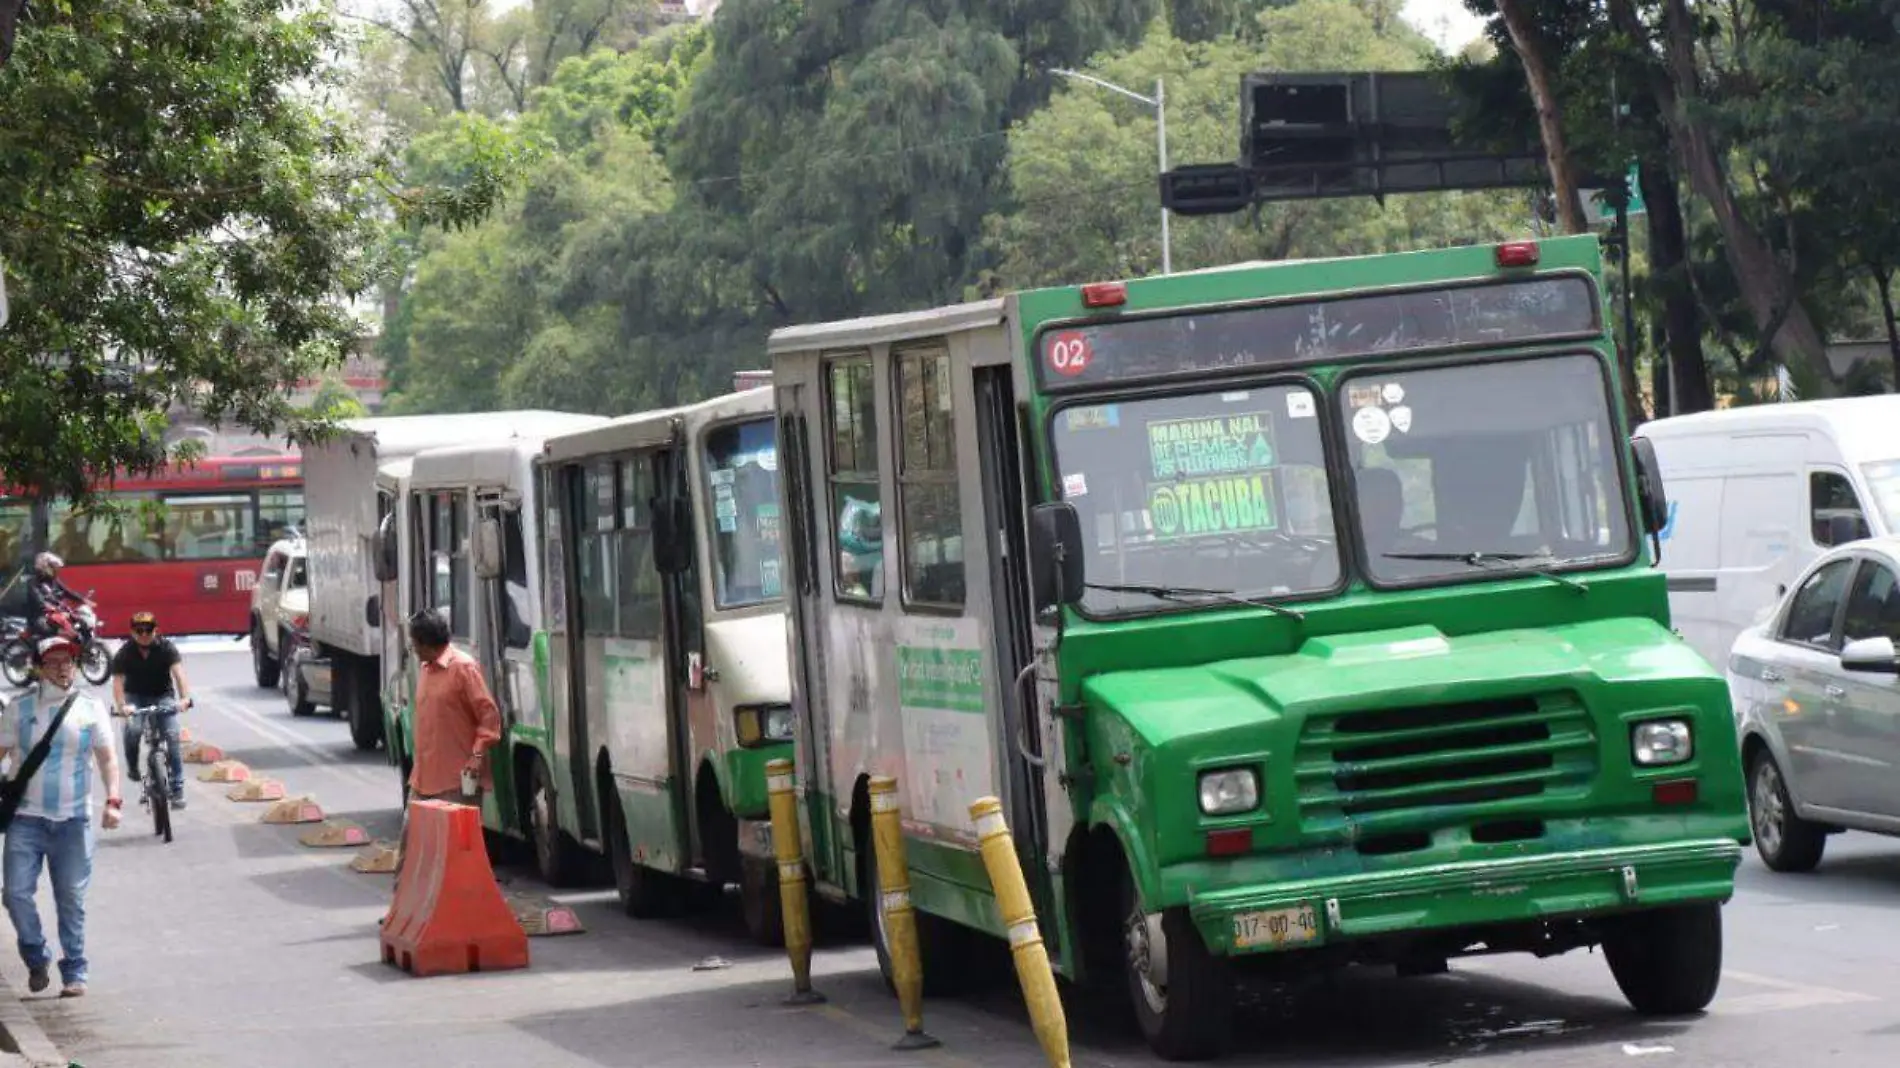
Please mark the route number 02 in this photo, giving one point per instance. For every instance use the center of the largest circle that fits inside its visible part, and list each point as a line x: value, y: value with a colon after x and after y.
x: 1069, y: 354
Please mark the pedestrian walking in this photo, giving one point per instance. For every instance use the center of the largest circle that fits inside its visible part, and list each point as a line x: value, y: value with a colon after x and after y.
x: 59, y: 735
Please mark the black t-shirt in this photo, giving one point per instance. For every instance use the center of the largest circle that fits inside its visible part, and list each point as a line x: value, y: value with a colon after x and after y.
x: 147, y: 673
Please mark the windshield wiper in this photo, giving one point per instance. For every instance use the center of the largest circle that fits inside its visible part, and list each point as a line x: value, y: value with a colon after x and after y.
x: 1497, y: 561
x: 1188, y: 594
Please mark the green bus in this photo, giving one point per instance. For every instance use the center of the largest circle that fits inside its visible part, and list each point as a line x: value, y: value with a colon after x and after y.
x: 1301, y: 615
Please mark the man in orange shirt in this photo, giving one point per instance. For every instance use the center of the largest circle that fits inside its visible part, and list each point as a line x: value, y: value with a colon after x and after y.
x: 456, y: 720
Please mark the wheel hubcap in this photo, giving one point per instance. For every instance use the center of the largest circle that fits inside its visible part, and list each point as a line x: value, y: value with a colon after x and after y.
x: 1147, y: 954
x: 1770, y: 813
x: 542, y: 840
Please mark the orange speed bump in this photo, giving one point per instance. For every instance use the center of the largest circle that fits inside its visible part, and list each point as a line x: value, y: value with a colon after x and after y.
x: 226, y: 771
x: 335, y: 833
x: 257, y: 790
x: 294, y: 810
x: 449, y: 915
x: 377, y: 858
x: 202, y: 753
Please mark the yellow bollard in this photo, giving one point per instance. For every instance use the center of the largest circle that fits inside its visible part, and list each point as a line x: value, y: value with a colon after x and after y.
x: 791, y: 880
x: 1025, y: 937
x: 900, y: 924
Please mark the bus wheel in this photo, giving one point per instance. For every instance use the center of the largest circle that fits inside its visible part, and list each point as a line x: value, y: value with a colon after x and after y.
x: 947, y: 947
x: 553, y: 856
x: 263, y: 665
x: 1183, y: 995
x: 1667, y: 962
x: 759, y: 901
x: 644, y: 893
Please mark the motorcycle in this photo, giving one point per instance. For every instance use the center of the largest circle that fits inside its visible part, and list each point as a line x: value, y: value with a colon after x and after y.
x: 82, y: 621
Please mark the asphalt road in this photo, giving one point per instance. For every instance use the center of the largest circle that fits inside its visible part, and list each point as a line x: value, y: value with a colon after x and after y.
x: 235, y: 945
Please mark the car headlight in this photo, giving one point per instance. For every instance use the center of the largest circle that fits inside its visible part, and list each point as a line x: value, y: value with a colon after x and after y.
x: 1228, y: 791
x: 1661, y: 742
x: 763, y: 724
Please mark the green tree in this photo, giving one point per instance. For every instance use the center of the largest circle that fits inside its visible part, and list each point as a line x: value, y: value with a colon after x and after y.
x: 177, y: 222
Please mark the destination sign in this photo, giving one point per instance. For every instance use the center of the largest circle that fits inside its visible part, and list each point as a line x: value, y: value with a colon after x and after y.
x: 1343, y: 328
x: 1212, y: 445
x: 1207, y: 506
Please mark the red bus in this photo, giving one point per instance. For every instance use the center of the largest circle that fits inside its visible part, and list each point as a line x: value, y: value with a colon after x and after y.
x: 186, y: 542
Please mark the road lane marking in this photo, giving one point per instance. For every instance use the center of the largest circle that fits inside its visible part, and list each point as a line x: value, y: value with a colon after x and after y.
x: 296, y: 743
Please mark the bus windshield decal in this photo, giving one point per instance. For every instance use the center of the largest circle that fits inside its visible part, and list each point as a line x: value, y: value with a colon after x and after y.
x: 1498, y: 314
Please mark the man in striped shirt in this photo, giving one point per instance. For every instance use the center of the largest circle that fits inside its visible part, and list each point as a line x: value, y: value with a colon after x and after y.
x: 53, y: 825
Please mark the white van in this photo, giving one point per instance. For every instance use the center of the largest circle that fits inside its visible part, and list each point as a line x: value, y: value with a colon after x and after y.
x: 1756, y: 493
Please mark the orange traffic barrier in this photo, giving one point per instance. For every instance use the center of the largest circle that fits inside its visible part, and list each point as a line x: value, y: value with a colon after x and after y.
x: 449, y: 915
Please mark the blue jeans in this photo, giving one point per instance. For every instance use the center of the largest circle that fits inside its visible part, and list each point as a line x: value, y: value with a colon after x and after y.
x: 66, y: 848
x: 168, y: 726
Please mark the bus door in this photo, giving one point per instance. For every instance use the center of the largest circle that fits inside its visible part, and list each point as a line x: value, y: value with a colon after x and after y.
x: 587, y: 495
x: 502, y: 608
x: 690, y: 712
x: 813, y: 751
x: 1005, y: 493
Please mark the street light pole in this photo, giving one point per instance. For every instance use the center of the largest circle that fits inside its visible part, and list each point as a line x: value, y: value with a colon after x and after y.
x: 1159, y: 102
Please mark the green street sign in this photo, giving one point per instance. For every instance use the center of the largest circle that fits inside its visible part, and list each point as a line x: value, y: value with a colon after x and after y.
x: 1606, y: 211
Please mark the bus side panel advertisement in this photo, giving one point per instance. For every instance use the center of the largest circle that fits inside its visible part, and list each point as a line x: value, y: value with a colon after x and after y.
x: 941, y: 698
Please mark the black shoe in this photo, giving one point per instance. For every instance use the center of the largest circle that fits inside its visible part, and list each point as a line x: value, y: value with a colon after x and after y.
x: 132, y: 773
x: 38, y: 979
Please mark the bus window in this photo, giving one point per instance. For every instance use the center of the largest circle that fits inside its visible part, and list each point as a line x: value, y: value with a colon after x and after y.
x: 742, y: 476
x: 210, y: 526
x: 930, y: 515
x: 516, y: 603
x: 278, y: 511
x: 639, y: 583
x: 119, y: 531
x: 851, y: 455
x: 16, y: 532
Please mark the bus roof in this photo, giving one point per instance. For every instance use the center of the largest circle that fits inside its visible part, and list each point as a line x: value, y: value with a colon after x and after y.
x: 1861, y: 426
x: 405, y: 435
x: 883, y: 329
x: 656, y: 427
x: 495, y: 463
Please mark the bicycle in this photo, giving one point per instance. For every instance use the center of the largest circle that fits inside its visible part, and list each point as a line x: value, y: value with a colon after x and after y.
x: 156, y: 786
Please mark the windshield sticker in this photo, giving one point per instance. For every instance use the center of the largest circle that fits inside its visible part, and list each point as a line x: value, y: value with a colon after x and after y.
x: 728, y: 524
x: 1393, y: 393
x: 766, y: 516
x: 1211, y: 506
x: 1188, y: 448
x: 1371, y: 425
x: 768, y: 578
x: 1069, y: 353
x: 721, y: 477
x: 1094, y: 417
x: 1299, y: 405
x: 1401, y: 419
x: 1075, y: 485
x: 1235, y: 396
x: 1365, y: 395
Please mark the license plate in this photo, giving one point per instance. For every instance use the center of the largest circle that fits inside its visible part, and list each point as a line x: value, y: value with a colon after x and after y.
x: 1275, y: 927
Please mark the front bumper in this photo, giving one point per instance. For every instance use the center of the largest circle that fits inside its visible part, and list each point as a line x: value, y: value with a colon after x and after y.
x: 1474, y: 894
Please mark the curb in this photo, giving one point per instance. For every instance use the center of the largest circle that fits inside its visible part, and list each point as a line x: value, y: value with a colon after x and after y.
x: 22, y: 1031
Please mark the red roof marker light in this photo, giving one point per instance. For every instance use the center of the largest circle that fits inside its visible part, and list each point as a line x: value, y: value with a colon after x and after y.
x: 1517, y: 254
x: 1104, y: 295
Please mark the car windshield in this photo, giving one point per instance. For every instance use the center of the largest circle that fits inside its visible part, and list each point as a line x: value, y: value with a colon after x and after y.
x: 1205, y: 495
x: 1484, y: 468
x: 742, y: 478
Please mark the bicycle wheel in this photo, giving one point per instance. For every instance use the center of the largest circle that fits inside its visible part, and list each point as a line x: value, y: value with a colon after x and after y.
x: 159, y: 787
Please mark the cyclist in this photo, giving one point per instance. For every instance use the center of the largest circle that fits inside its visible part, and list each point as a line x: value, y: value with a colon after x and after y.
x: 149, y: 670
x: 48, y: 597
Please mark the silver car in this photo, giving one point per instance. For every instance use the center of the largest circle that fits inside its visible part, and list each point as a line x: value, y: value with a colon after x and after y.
x: 1816, y: 689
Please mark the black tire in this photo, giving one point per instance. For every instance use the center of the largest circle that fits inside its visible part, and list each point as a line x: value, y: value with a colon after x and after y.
x: 555, y: 858
x: 16, y: 662
x: 947, y: 948
x: 759, y: 901
x: 644, y: 893
x: 159, y: 789
x: 263, y: 665
x: 1667, y: 962
x: 97, y: 664
x: 296, y: 693
x: 1785, y: 841
x: 1190, y: 1018
x: 366, y: 727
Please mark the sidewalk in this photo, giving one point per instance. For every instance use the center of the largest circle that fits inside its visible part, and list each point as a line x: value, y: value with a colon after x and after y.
x: 23, y: 1044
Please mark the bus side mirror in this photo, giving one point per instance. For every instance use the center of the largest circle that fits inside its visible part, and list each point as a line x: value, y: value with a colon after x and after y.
x: 486, y: 551
x: 672, y: 535
x: 384, y: 550
x: 1055, y: 555
x: 1650, y: 498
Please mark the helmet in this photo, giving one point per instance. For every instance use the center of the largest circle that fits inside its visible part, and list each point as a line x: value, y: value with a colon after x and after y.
x: 55, y: 643
x: 47, y: 563
x: 144, y: 619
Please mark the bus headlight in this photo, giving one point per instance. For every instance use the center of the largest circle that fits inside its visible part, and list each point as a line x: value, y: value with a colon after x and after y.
x: 763, y: 724
x: 1661, y: 742
x: 1228, y: 791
